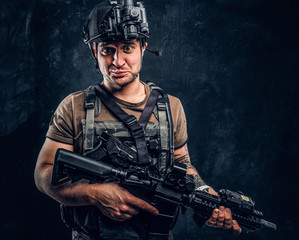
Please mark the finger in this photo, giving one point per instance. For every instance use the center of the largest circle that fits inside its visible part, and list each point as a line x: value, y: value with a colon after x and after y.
x: 220, y: 219
x: 126, y: 216
x: 122, y: 218
x: 137, y: 202
x: 212, y: 191
x: 212, y: 220
x: 228, y: 222
x: 129, y: 210
x: 236, y: 228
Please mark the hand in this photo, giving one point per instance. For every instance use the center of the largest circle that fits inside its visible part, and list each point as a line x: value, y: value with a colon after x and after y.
x: 222, y: 218
x: 117, y: 203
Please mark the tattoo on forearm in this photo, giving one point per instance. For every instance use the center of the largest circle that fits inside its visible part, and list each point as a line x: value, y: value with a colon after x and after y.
x: 184, y: 160
x: 193, y: 176
x: 191, y: 167
x: 197, y: 180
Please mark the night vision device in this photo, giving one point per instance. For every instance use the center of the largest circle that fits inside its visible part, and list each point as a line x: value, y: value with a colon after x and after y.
x: 116, y: 20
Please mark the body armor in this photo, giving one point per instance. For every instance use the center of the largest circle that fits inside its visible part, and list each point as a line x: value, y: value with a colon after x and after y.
x: 158, y: 137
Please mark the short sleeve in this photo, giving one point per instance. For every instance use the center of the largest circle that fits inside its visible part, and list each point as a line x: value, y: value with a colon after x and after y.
x: 179, y: 122
x: 61, y: 124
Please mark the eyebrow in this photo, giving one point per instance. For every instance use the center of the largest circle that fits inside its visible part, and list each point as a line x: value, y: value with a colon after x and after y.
x: 130, y: 42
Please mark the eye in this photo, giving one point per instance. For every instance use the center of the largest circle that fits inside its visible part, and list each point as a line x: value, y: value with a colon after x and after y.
x: 128, y: 48
x: 107, y: 51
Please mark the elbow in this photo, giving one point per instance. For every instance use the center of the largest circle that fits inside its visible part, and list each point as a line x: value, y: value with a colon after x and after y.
x: 42, y: 178
x: 38, y: 180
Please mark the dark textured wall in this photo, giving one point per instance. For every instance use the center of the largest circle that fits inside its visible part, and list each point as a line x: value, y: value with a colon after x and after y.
x: 233, y: 64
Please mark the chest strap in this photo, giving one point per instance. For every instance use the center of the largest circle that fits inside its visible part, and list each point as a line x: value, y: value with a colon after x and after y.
x: 136, y: 128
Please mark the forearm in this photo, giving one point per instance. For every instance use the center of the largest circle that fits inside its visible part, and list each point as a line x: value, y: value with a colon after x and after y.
x: 192, y: 172
x: 75, y: 194
x: 182, y: 156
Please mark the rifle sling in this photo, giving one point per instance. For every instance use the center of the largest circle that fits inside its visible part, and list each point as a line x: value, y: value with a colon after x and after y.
x: 136, y: 128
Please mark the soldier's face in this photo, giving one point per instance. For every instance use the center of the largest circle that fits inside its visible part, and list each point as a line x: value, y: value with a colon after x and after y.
x: 120, y: 62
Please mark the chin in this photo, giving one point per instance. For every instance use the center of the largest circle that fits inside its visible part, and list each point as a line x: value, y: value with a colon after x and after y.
x: 122, y: 82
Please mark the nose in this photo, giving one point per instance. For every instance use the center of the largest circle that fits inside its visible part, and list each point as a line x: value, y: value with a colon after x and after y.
x: 118, y: 59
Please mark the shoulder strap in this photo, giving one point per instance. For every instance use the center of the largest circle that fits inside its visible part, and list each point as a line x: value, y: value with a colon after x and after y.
x: 148, y: 109
x: 89, y: 106
x: 166, y: 132
x: 93, y: 107
x: 130, y: 121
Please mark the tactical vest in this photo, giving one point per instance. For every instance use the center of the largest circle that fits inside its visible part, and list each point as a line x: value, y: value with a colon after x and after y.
x: 155, y: 147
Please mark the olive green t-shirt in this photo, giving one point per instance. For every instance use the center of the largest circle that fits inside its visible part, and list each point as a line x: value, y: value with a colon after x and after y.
x: 66, y: 123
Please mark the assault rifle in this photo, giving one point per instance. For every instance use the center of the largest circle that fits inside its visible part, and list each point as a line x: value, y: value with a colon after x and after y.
x: 175, y: 187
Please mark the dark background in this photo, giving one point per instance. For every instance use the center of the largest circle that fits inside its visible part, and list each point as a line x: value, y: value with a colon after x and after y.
x: 233, y: 64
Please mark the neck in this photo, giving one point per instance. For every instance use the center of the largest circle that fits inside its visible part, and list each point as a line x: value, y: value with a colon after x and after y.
x: 134, y: 92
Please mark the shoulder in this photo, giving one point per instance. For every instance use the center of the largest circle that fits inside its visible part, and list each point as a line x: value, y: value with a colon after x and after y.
x: 177, y: 110
x: 73, y: 100
x: 71, y: 107
x: 175, y: 103
x: 173, y: 100
x: 76, y: 96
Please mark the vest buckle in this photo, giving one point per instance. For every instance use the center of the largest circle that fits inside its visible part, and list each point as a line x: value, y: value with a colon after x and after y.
x: 161, y: 106
x: 89, y: 105
x: 130, y: 120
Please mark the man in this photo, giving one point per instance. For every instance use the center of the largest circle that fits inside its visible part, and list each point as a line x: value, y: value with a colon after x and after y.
x: 116, y: 34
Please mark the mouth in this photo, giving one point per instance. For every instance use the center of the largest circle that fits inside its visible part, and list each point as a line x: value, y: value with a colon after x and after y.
x: 118, y: 74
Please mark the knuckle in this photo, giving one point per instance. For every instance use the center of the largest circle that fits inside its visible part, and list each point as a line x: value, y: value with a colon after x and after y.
x: 213, y: 222
x: 216, y: 211
x: 135, y: 211
x: 228, y: 223
x: 117, y: 214
x: 228, y: 211
x: 221, y: 214
x: 127, y: 198
x: 227, y: 226
x: 143, y: 205
x: 210, y: 222
x: 123, y: 208
x: 221, y: 208
x: 219, y: 224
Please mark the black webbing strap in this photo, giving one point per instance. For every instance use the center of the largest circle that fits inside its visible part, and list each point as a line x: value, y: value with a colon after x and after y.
x: 129, y: 121
x: 148, y: 109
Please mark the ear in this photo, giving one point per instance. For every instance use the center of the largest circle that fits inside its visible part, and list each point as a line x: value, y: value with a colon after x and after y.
x: 94, y: 49
x: 144, y: 47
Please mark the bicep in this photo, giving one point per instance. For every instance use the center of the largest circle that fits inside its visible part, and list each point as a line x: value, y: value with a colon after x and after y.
x: 48, y: 150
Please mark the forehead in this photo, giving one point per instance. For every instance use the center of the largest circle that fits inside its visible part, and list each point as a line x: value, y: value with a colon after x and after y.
x: 117, y: 43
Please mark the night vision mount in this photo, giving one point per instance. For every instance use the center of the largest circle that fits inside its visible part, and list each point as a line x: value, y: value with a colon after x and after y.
x: 124, y: 21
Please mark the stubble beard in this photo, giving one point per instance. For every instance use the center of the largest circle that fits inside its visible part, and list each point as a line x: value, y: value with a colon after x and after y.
x: 120, y: 85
